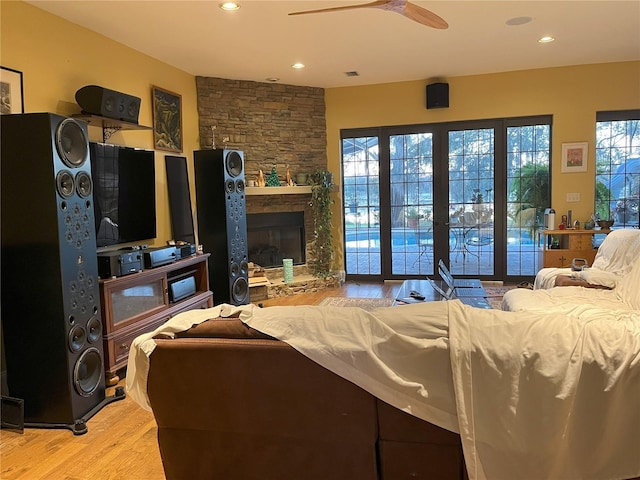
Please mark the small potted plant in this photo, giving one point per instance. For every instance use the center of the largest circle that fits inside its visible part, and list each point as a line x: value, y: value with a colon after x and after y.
x: 413, y: 218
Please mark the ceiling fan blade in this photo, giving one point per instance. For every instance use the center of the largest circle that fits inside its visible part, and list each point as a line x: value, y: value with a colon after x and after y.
x: 403, y: 7
x: 378, y: 3
x: 424, y: 16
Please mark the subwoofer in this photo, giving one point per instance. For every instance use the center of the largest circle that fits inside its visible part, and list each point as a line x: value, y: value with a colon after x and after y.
x: 51, y: 318
x: 222, y: 222
x: 108, y: 103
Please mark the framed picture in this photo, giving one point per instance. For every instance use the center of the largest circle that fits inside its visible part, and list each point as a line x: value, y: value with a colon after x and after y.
x: 167, y: 120
x: 11, y: 91
x: 574, y: 157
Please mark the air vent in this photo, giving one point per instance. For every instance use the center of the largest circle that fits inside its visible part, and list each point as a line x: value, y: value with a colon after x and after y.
x: 352, y: 73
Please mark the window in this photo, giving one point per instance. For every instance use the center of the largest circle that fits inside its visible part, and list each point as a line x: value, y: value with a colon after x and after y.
x: 617, y: 194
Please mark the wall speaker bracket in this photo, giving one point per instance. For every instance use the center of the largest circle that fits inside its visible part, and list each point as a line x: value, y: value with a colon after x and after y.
x: 109, y: 126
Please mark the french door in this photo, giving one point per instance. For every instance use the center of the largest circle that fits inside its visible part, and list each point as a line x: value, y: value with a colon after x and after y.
x: 416, y: 195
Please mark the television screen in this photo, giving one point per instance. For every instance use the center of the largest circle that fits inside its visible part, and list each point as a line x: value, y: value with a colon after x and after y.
x: 124, y: 193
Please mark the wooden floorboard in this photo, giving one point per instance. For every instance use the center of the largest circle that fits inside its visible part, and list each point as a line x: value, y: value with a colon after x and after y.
x: 121, y: 440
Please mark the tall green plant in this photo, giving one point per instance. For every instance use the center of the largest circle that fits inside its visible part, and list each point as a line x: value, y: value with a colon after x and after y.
x: 531, y: 189
x: 321, y: 185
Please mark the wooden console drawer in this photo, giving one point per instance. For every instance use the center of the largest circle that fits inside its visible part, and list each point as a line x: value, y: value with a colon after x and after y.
x: 139, y: 303
x: 119, y: 346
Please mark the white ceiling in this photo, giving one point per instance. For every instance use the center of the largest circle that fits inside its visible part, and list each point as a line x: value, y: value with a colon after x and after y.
x: 260, y: 40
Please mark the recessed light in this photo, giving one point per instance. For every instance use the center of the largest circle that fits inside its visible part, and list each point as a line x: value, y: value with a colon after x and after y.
x: 272, y: 79
x: 518, y: 21
x: 546, y: 39
x: 297, y: 66
x: 352, y: 73
x: 229, y: 6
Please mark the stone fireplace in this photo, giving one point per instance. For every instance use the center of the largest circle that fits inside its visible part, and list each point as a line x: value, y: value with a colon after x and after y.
x: 267, y: 204
x: 285, y: 220
x: 272, y: 237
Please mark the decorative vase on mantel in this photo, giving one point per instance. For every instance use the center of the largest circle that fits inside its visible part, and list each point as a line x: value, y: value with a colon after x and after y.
x: 301, y: 179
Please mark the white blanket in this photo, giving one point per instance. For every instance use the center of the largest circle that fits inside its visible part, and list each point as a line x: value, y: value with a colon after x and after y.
x: 533, y: 395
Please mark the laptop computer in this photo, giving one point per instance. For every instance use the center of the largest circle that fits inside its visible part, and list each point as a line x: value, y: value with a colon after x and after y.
x: 458, y: 282
x: 450, y: 294
x: 464, y: 291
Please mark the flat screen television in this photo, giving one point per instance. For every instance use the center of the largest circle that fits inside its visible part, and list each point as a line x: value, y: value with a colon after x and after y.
x: 124, y: 194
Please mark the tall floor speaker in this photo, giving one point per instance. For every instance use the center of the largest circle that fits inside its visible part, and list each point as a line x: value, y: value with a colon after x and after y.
x: 52, y: 328
x: 179, y: 199
x: 222, y: 222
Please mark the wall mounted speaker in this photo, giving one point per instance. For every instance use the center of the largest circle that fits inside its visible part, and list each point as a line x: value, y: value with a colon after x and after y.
x: 101, y: 101
x: 222, y: 222
x: 438, y: 95
x: 51, y: 321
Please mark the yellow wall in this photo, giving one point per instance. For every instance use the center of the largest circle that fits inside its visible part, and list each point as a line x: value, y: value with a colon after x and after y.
x: 572, y: 95
x: 57, y: 57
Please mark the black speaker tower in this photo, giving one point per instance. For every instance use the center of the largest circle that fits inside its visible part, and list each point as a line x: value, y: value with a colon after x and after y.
x: 222, y: 222
x: 51, y: 322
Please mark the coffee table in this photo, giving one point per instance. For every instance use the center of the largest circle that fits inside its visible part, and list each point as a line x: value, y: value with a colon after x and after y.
x: 424, y: 288
x: 421, y: 286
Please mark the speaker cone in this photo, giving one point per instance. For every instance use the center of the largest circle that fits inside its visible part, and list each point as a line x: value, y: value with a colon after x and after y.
x: 77, y: 338
x: 110, y: 104
x: 229, y: 186
x: 239, y: 290
x: 87, y: 372
x: 234, y: 270
x: 83, y: 184
x: 64, y: 183
x: 240, y: 186
x: 244, y: 267
x: 233, y: 163
x: 133, y: 110
x: 94, y: 327
x: 71, y: 143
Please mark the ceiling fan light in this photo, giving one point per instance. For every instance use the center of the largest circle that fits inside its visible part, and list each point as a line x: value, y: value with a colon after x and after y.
x: 229, y: 6
x: 518, y: 21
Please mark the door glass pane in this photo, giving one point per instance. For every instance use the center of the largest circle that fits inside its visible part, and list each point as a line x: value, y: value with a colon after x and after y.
x: 528, y: 195
x: 411, y: 164
x: 361, y: 209
x: 471, y: 205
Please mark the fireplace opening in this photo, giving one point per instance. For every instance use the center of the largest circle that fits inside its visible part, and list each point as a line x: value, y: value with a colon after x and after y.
x: 274, y: 236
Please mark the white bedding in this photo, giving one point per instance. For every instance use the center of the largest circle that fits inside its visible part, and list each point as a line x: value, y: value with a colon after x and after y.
x: 533, y: 395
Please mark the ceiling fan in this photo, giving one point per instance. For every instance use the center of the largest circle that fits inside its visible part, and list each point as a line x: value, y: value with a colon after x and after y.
x: 403, y: 7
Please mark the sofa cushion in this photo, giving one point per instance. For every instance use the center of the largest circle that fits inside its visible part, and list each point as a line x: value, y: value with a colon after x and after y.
x: 616, y: 253
x: 227, y: 327
x: 595, y: 276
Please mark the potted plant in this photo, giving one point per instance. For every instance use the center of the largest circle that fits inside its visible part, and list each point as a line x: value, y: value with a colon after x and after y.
x: 321, y: 185
x: 413, y: 218
x: 532, y: 193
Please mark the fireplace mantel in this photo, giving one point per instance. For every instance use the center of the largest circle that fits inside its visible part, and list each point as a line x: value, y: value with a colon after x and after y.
x: 303, y: 189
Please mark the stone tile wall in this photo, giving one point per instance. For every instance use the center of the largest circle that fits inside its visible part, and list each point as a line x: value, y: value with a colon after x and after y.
x: 273, y: 124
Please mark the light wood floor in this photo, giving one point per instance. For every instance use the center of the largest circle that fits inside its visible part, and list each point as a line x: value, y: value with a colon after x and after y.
x: 121, y: 441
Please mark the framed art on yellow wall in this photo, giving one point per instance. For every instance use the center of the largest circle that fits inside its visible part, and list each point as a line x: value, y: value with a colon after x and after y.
x: 11, y: 96
x: 574, y: 157
x: 167, y: 120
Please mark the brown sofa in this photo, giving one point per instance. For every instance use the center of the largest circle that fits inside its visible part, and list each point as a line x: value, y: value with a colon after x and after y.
x: 233, y: 403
